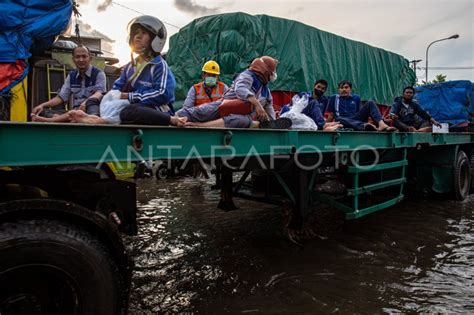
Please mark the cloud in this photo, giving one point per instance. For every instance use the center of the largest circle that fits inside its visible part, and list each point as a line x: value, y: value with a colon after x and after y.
x: 103, y: 6
x: 190, y: 6
x: 87, y: 30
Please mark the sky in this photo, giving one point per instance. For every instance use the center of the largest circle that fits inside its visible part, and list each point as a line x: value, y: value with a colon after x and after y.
x: 405, y: 27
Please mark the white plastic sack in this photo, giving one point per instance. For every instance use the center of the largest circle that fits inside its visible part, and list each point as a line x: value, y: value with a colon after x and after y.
x: 299, y: 120
x: 111, y: 106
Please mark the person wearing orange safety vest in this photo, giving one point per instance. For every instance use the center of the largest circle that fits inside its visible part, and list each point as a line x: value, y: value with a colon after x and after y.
x: 209, y: 90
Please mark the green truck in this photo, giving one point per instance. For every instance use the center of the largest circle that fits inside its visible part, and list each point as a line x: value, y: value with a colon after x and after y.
x: 63, y: 211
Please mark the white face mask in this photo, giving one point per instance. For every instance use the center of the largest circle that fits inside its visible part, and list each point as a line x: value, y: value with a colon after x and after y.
x: 273, y: 77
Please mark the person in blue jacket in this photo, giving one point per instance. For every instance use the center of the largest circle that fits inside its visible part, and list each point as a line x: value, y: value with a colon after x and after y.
x: 408, y: 114
x: 346, y: 108
x: 317, y: 97
x: 316, y: 107
x: 147, y: 81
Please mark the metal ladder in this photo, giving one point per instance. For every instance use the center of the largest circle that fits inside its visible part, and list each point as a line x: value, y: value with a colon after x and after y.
x: 49, y: 69
x: 353, y: 210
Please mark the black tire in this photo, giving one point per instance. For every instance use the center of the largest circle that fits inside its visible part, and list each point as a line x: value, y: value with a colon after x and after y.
x: 472, y: 172
x: 51, y: 267
x: 162, y: 172
x: 461, y: 176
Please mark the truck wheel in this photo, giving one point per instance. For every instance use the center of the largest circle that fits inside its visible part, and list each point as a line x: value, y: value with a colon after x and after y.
x: 462, y: 176
x: 162, y: 172
x: 51, y: 267
x: 472, y: 172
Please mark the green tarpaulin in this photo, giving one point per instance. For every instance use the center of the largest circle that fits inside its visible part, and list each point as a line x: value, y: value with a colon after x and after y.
x: 305, y: 54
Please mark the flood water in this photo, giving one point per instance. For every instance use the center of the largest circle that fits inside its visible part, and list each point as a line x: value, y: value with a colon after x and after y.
x: 191, y: 257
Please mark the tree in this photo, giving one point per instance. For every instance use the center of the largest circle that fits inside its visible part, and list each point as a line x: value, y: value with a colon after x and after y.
x: 439, y: 78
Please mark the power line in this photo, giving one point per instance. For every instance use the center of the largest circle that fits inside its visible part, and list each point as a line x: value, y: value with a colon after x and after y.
x: 131, y: 9
x: 446, y: 68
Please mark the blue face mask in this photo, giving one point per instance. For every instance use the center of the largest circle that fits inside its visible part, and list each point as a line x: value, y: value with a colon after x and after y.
x: 210, y: 81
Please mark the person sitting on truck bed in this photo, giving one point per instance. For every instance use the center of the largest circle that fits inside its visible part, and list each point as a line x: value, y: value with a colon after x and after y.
x: 146, y: 85
x: 319, y: 88
x: 86, y: 84
x: 317, y: 104
x: 345, y: 108
x: 209, y: 90
x: 408, y: 114
x: 248, y: 97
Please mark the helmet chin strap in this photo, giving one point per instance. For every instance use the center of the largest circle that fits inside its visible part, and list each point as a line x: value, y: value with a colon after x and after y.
x: 144, y: 52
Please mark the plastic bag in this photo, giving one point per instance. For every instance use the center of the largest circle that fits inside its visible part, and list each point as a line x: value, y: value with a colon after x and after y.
x: 111, y: 106
x: 298, y: 119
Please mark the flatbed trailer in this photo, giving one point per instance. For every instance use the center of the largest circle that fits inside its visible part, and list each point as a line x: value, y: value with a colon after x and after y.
x: 55, y: 177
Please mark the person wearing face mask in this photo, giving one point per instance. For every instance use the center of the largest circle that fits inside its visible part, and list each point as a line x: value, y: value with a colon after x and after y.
x: 316, y: 107
x: 209, y: 90
x: 247, y: 99
x: 316, y: 96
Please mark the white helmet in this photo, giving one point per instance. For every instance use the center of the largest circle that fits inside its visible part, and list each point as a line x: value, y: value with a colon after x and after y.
x: 153, y: 25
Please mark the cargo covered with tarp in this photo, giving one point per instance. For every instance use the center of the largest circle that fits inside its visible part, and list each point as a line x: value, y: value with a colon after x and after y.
x: 26, y: 26
x: 305, y: 54
x: 448, y: 102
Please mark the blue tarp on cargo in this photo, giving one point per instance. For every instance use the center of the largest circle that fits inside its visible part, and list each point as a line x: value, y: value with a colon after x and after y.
x: 448, y: 102
x: 27, y: 24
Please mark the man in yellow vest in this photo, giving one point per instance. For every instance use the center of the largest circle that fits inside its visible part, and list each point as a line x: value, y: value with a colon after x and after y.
x: 209, y: 90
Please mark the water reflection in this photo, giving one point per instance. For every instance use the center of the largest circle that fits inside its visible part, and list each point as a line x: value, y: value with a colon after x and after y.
x: 190, y: 256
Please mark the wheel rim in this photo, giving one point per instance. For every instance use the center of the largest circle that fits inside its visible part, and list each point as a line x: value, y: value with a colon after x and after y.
x: 39, y: 289
x: 162, y: 173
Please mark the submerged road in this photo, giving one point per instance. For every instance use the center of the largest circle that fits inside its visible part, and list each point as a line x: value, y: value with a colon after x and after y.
x: 191, y: 257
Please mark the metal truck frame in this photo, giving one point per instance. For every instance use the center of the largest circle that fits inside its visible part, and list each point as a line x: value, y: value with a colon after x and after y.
x: 61, y: 208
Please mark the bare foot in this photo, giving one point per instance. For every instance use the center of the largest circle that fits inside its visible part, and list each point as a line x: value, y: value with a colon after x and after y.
x: 78, y: 116
x: 72, y: 115
x: 38, y: 118
x: 192, y: 124
x: 178, y: 121
x: 425, y: 129
x: 332, y: 126
x: 384, y: 127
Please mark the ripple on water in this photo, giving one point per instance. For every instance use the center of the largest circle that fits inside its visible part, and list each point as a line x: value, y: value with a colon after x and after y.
x: 189, y: 256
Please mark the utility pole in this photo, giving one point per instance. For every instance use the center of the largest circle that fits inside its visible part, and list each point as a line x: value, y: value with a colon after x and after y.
x: 414, y: 62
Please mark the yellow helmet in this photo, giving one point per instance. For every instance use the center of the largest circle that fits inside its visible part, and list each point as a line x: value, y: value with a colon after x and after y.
x: 211, y: 67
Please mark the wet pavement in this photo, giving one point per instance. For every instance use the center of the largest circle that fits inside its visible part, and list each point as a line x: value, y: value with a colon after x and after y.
x: 191, y: 257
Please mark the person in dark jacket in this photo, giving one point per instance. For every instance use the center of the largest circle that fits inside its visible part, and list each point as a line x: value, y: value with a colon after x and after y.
x: 346, y: 108
x: 317, y: 97
x: 408, y: 114
x: 316, y: 107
